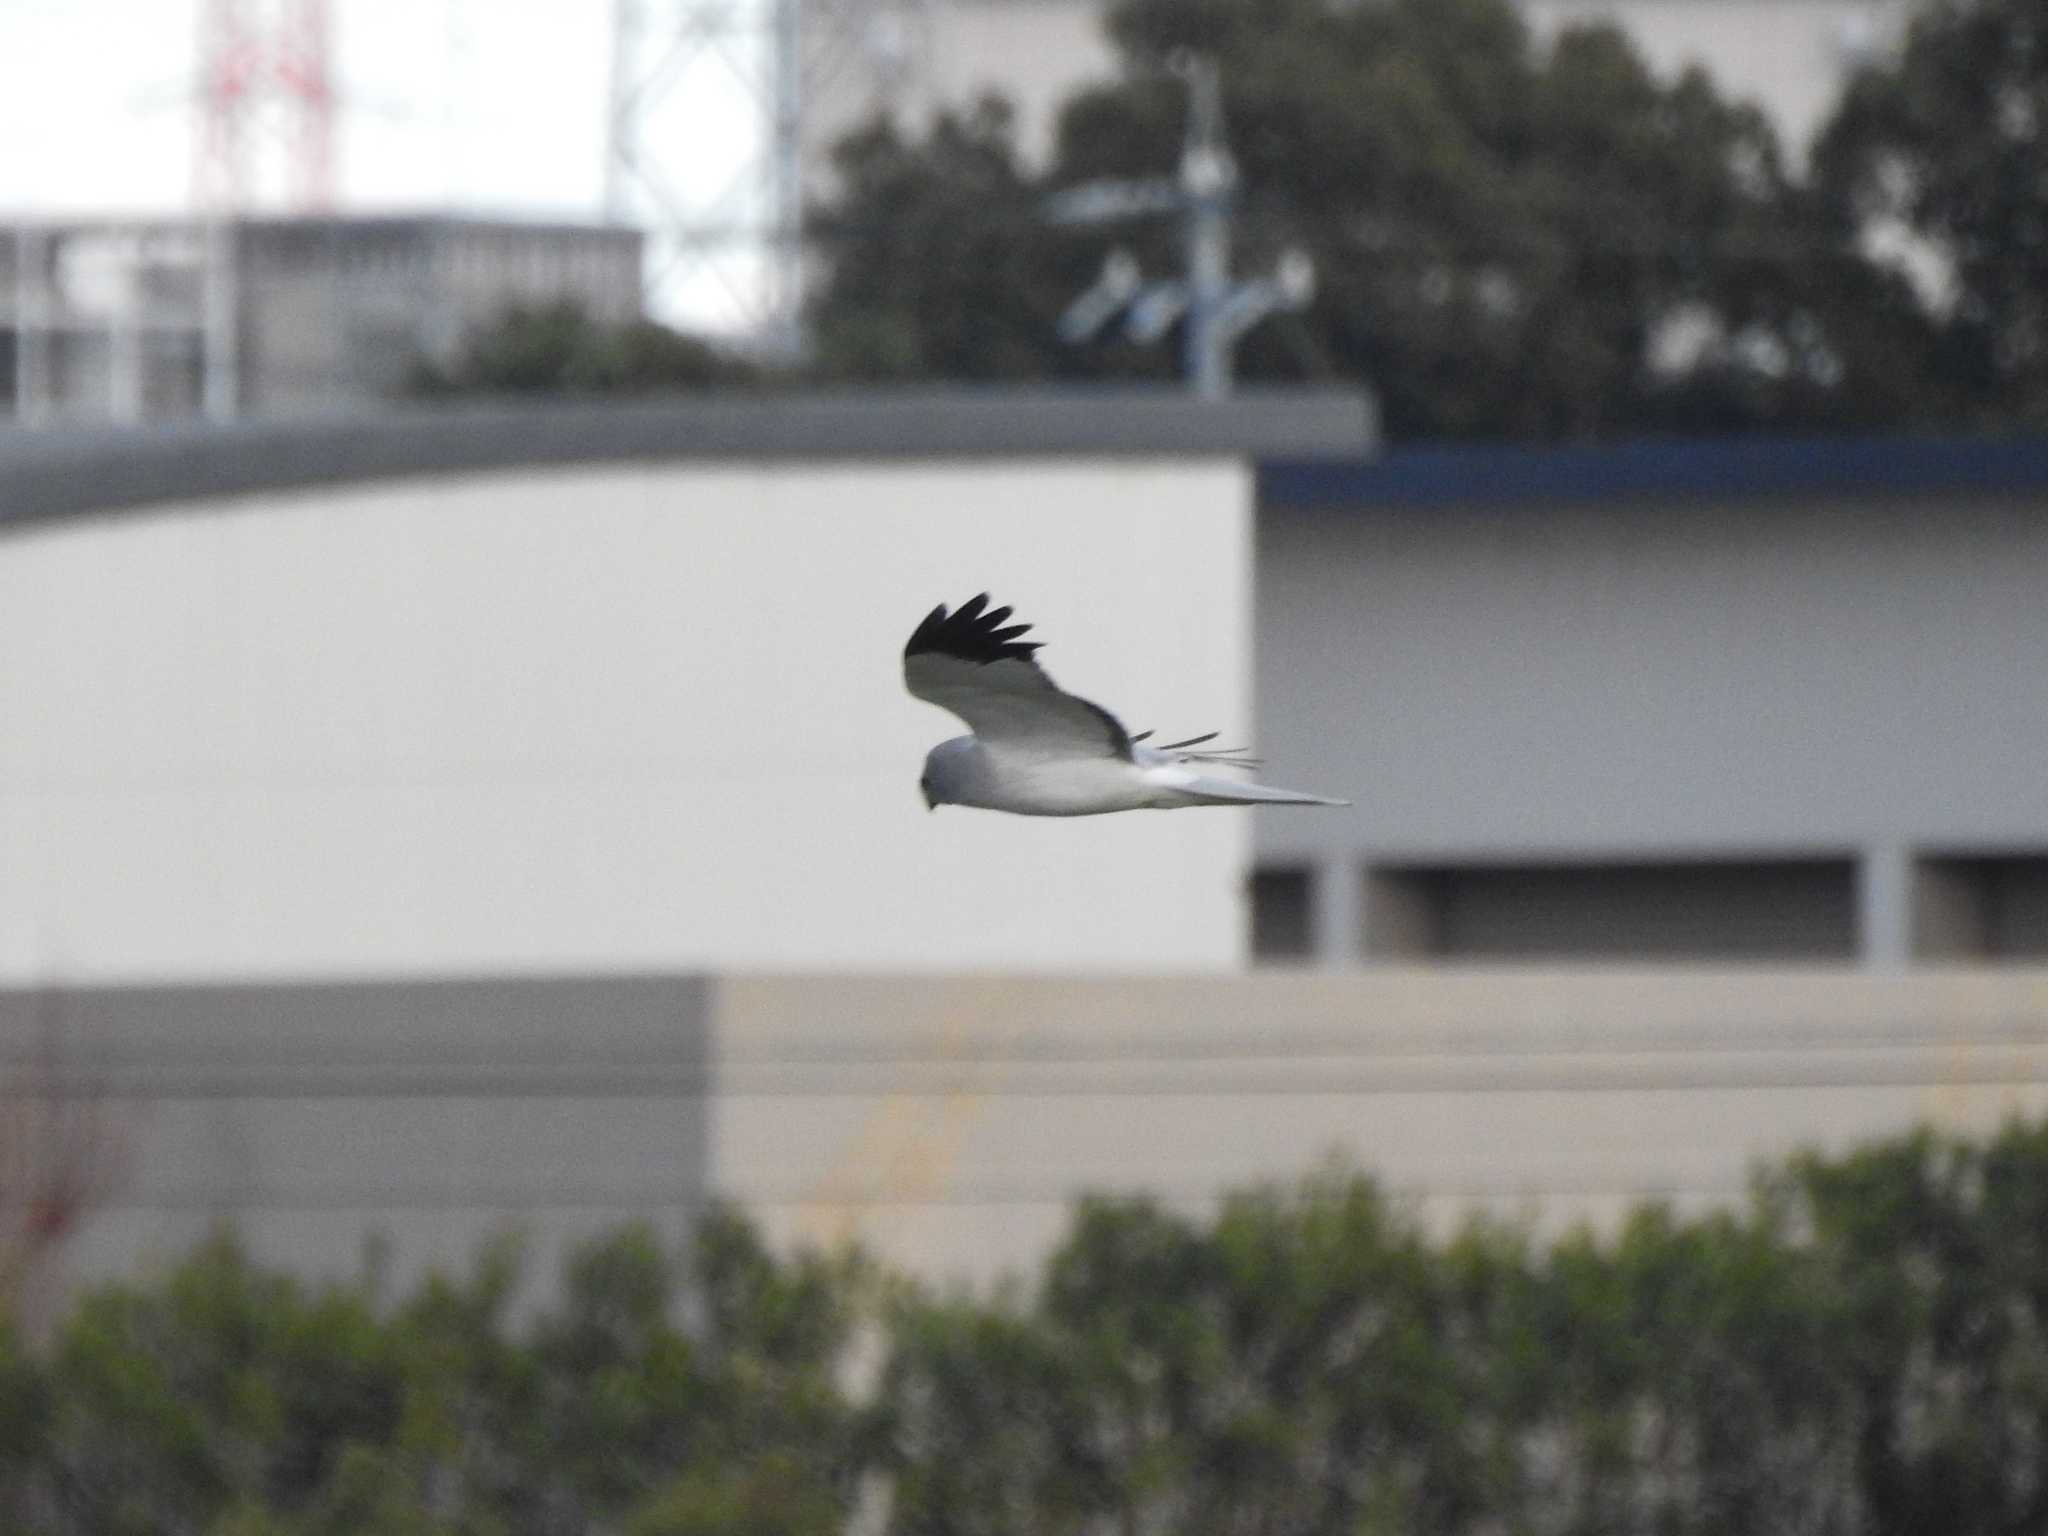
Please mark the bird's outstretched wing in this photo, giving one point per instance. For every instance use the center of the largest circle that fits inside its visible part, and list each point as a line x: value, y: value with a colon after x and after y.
x: 969, y: 662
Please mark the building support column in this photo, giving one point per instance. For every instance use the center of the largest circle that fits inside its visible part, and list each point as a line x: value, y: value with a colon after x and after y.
x: 1338, y: 886
x: 31, y: 327
x: 220, y: 344
x: 1884, y: 908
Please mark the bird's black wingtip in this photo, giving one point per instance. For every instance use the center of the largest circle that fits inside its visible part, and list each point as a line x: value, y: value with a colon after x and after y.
x: 972, y: 632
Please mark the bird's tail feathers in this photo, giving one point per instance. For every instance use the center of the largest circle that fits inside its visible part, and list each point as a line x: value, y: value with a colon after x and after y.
x: 1234, y: 758
x: 1220, y: 757
x: 1210, y: 791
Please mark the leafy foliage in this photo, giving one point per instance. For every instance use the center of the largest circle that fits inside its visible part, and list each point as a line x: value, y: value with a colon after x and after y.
x: 228, y: 1398
x: 557, y: 348
x: 1512, y: 240
x: 941, y: 266
x: 1863, y: 1350
x: 1858, y: 1352
x: 1946, y: 143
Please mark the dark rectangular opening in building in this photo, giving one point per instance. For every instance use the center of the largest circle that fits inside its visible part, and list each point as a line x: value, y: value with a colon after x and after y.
x: 1709, y: 910
x: 1283, y: 913
x: 1981, y: 907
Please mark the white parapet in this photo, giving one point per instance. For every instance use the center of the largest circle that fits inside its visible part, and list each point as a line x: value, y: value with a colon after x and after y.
x: 604, y: 717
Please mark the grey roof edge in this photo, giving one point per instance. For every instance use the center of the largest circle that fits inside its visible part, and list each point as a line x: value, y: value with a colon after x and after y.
x: 62, y: 472
x: 525, y: 1030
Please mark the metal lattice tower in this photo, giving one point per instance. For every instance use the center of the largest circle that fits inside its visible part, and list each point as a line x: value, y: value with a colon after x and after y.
x: 721, y: 110
x: 264, y: 84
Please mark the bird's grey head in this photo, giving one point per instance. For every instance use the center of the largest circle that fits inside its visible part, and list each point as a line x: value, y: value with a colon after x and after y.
x: 946, y: 770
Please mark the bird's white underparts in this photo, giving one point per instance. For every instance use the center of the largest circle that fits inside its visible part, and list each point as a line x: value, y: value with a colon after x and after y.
x: 1039, y: 751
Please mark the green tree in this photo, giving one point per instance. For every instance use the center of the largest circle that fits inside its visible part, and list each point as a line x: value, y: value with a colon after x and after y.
x: 25, y: 1407
x: 1290, y: 1368
x: 941, y: 264
x: 1938, y: 1251
x: 974, y: 1422
x: 1687, y: 1379
x: 1862, y: 1351
x: 557, y: 348
x: 771, y: 1495
x: 226, y: 1385
x: 689, y: 1391
x: 1946, y: 142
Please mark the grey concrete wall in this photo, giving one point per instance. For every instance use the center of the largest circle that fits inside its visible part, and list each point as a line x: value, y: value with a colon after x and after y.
x: 313, y: 1118
x: 1693, y: 681
x: 949, y: 1123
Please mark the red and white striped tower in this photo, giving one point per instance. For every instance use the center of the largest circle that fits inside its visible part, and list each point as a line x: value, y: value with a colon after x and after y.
x: 266, y: 106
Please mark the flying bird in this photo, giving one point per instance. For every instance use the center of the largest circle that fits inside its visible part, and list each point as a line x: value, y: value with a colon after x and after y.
x: 1038, y: 751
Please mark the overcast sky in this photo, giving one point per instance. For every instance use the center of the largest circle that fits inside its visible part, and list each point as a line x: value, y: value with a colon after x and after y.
x: 488, y: 106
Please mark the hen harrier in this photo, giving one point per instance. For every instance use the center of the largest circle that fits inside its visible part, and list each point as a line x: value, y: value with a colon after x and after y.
x: 1037, y: 751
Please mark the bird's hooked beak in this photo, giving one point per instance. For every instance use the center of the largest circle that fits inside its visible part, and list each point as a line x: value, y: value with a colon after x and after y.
x: 926, y: 790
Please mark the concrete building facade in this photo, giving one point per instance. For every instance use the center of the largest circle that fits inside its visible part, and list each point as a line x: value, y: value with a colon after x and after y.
x: 1735, y: 702
x: 948, y: 1123
x: 501, y: 818
x: 610, y: 689
x: 135, y: 320
x: 1712, y: 703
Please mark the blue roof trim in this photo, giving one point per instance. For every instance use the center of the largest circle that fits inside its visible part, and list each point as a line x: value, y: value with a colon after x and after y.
x: 1726, y: 470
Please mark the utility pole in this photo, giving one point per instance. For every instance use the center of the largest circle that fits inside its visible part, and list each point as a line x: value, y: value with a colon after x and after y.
x: 1208, y: 182
x: 1215, y: 310
x: 32, y: 336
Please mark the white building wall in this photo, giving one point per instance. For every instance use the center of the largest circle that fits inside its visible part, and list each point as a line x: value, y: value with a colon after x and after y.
x: 600, y: 719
